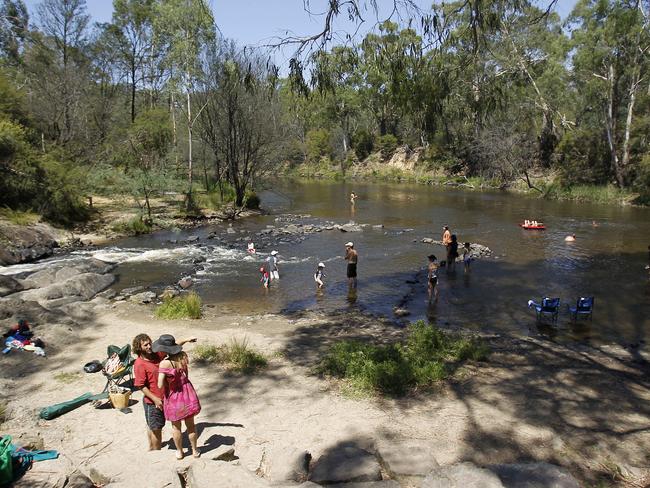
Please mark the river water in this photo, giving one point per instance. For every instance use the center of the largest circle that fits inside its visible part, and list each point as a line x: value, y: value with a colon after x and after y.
x: 606, y: 261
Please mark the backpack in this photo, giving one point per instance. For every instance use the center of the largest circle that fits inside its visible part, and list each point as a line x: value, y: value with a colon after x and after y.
x: 6, y: 465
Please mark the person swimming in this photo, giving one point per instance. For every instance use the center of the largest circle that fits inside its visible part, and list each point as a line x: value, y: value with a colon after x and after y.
x: 570, y: 238
x: 251, y: 248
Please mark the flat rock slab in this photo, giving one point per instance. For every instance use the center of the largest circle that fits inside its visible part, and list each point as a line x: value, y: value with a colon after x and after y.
x: 345, y: 464
x: 409, y: 458
x: 533, y: 475
x: 209, y: 474
x: 370, y: 484
x: 462, y: 475
x: 285, y: 463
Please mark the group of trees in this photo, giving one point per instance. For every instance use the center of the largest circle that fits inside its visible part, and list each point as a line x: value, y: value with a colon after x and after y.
x: 156, y: 100
x: 126, y: 106
x: 499, y: 89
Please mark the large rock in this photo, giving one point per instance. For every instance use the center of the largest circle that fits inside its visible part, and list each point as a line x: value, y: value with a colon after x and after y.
x: 85, y: 286
x: 533, y: 475
x: 144, y: 297
x: 208, y: 474
x: 345, y: 464
x: 8, y: 285
x: 463, y: 475
x: 58, y: 273
x: 285, y: 463
x: 22, y: 244
x: 350, y: 227
x: 406, y: 459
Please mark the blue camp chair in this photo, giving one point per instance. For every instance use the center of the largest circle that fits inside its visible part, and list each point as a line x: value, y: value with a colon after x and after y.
x: 584, y: 308
x: 548, y: 306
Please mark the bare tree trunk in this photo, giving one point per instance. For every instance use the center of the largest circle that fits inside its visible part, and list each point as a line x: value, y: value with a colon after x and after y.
x: 189, y: 142
x: 610, y: 127
x: 174, y: 136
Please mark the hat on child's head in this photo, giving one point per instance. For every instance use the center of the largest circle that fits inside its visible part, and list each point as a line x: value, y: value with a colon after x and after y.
x: 349, y: 244
x: 321, y: 265
x: 273, y: 253
x: 432, y: 257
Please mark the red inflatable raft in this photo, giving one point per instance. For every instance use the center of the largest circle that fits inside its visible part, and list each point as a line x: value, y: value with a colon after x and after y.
x: 533, y: 227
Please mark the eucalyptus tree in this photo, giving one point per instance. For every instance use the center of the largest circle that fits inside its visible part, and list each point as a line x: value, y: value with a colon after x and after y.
x: 239, y: 120
x: 57, y: 64
x: 131, y: 31
x: 184, y: 27
x: 611, y: 39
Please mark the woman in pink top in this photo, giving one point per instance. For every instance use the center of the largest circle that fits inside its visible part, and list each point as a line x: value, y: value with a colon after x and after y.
x: 181, y: 402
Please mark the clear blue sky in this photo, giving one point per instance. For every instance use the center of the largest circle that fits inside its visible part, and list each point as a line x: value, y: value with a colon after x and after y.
x: 259, y: 22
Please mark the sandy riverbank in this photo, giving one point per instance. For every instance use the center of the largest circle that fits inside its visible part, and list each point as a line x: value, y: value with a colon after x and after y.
x: 584, y: 409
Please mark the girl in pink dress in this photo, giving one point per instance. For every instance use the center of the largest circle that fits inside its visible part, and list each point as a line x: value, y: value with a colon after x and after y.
x: 181, y: 402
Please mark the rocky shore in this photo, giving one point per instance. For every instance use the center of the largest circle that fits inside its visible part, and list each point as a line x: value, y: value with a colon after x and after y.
x: 536, y: 412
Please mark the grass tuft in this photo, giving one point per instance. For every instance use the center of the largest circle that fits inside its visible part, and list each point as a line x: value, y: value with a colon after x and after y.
x: 67, y: 378
x: 134, y: 227
x: 237, y: 355
x: 19, y: 217
x: 428, y: 355
x: 180, y: 307
x: 3, y: 412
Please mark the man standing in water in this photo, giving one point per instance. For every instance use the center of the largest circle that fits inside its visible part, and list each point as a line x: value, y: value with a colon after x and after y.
x: 352, y: 258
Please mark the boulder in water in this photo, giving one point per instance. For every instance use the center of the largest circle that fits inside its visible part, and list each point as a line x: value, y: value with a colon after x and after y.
x: 185, y: 282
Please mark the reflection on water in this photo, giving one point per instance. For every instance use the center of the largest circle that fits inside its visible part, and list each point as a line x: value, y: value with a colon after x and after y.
x: 606, y: 260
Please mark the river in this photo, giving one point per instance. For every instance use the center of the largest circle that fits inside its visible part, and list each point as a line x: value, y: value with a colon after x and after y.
x: 606, y: 260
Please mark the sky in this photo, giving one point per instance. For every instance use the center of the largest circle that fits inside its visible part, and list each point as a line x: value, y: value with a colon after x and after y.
x: 261, y: 22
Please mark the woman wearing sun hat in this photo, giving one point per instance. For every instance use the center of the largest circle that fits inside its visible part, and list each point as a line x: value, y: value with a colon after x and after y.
x: 181, y: 403
x: 319, y: 274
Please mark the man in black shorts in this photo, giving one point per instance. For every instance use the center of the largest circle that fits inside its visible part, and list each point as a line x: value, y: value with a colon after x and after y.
x: 352, y: 258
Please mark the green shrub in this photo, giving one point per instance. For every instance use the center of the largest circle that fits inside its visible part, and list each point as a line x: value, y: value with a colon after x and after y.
x: 252, y: 201
x: 428, y: 355
x: 180, y: 307
x: 387, y: 144
x: 237, y: 355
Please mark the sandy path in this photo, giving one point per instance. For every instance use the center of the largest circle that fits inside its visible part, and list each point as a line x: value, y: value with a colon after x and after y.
x: 585, y: 409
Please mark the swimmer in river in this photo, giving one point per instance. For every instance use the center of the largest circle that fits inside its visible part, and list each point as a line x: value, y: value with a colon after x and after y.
x: 432, y: 277
x: 251, y: 248
x: 570, y: 238
x: 319, y: 275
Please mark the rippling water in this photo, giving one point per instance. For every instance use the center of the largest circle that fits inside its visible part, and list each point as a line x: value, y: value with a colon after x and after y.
x: 607, y: 259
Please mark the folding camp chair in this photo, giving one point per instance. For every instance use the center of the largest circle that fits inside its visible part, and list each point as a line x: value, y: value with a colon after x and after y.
x: 118, y: 367
x: 584, y: 307
x: 548, y: 306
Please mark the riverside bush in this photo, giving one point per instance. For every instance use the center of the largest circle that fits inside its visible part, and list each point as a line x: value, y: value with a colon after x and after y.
x: 428, y: 355
x: 237, y: 355
x: 180, y: 307
x: 134, y: 227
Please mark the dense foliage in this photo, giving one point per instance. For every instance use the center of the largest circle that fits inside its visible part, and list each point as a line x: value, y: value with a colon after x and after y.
x: 156, y: 102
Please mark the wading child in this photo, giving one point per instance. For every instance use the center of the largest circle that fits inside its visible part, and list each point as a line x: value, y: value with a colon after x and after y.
x: 319, y: 275
x: 467, y: 258
x: 266, y: 277
x: 432, y: 277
